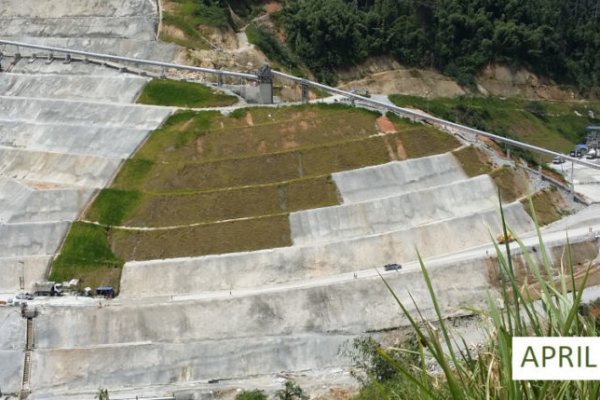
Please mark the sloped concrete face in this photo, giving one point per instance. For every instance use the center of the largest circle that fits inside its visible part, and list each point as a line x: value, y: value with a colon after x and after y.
x: 181, y: 363
x: 397, y: 177
x: 12, y: 346
x: 407, y: 210
x: 66, y: 127
x: 116, y: 142
x: 65, y: 112
x: 77, y: 8
x: 268, y: 267
x: 107, y: 88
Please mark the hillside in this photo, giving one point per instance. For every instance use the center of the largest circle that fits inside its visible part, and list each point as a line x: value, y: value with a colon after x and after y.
x: 555, y: 39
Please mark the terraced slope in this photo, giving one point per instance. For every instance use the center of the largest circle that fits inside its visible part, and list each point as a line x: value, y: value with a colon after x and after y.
x: 64, y: 130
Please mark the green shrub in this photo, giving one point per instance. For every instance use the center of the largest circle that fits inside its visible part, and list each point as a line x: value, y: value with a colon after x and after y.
x: 251, y: 395
x: 291, y: 391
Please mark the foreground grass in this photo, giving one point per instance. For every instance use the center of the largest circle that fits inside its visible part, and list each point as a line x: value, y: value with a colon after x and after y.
x: 487, y: 373
x: 554, y: 125
x: 163, y: 92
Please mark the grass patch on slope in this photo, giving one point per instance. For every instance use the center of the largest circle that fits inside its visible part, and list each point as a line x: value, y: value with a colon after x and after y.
x: 236, y: 178
x: 227, y: 237
x: 87, y: 255
x: 164, y: 92
x: 473, y: 161
x: 554, y: 125
x: 548, y: 204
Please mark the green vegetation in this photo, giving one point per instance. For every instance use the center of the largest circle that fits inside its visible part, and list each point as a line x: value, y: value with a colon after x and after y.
x: 473, y: 161
x: 183, y: 94
x: 555, y: 38
x: 251, y: 395
x: 86, y: 255
x: 511, y: 183
x: 265, y: 40
x: 291, y: 391
x: 548, y: 205
x: 486, y: 373
x: 112, y: 205
x: 554, y: 125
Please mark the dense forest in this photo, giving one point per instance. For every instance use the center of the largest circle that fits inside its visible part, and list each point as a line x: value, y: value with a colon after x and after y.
x: 556, y: 38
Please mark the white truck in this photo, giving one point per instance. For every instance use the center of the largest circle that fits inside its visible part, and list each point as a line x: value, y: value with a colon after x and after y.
x: 47, y: 289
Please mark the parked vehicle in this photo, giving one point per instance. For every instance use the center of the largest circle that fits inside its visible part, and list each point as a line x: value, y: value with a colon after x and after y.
x: 592, y: 154
x: 558, y: 160
x: 392, y: 267
x: 24, y: 296
x: 47, y: 289
x: 106, y: 291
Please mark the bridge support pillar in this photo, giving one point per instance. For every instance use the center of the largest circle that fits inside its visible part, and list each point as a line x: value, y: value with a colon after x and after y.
x: 265, y: 85
x: 304, y: 92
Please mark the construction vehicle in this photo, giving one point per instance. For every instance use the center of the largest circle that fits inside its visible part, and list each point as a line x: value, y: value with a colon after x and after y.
x: 47, y: 289
x: 503, y: 239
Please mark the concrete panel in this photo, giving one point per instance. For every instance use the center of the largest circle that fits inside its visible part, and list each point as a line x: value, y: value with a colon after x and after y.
x: 139, y: 27
x: 341, y: 306
x: 167, y: 363
x: 407, y: 210
x: 397, y: 177
x: 121, y: 47
x: 33, y: 268
x: 76, y: 8
x: 114, y: 89
x: 111, y: 142
x: 11, y: 372
x: 65, y: 112
x: 20, y: 203
x: 62, y: 169
x: 268, y: 267
x: 12, y: 344
x: 31, y: 239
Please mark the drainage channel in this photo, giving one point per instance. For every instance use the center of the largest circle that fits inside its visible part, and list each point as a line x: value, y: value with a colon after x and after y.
x: 28, y: 314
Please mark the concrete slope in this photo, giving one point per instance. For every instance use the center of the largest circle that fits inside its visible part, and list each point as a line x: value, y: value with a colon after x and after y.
x: 77, y: 8
x: 12, y: 345
x: 121, y: 47
x: 61, y: 169
x: 65, y: 112
x: 140, y: 28
x: 411, y: 209
x: 20, y: 203
x: 115, y: 89
x: 397, y: 177
x: 267, y: 267
x: 30, y: 268
x: 110, y: 142
x: 327, y: 308
x: 31, y: 239
x: 149, y: 364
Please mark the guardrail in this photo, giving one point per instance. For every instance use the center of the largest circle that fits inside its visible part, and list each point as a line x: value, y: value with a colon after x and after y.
x: 434, y: 120
x: 109, y: 57
x: 305, y: 82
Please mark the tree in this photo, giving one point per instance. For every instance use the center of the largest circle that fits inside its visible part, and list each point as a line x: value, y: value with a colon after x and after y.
x: 291, y: 391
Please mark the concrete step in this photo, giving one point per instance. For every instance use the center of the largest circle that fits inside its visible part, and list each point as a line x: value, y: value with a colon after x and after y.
x: 57, y: 168
x: 459, y: 198
x: 22, y: 269
x: 76, y: 8
x: 150, y: 50
x: 162, y: 363
x: 66, y: 112
x: 110, y: 142
x: 397, y: 177
x: 31, y: 239
x: 127, y: 27
x: 109, y: 88
x: 21, y: 203
x: 276, y: 266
